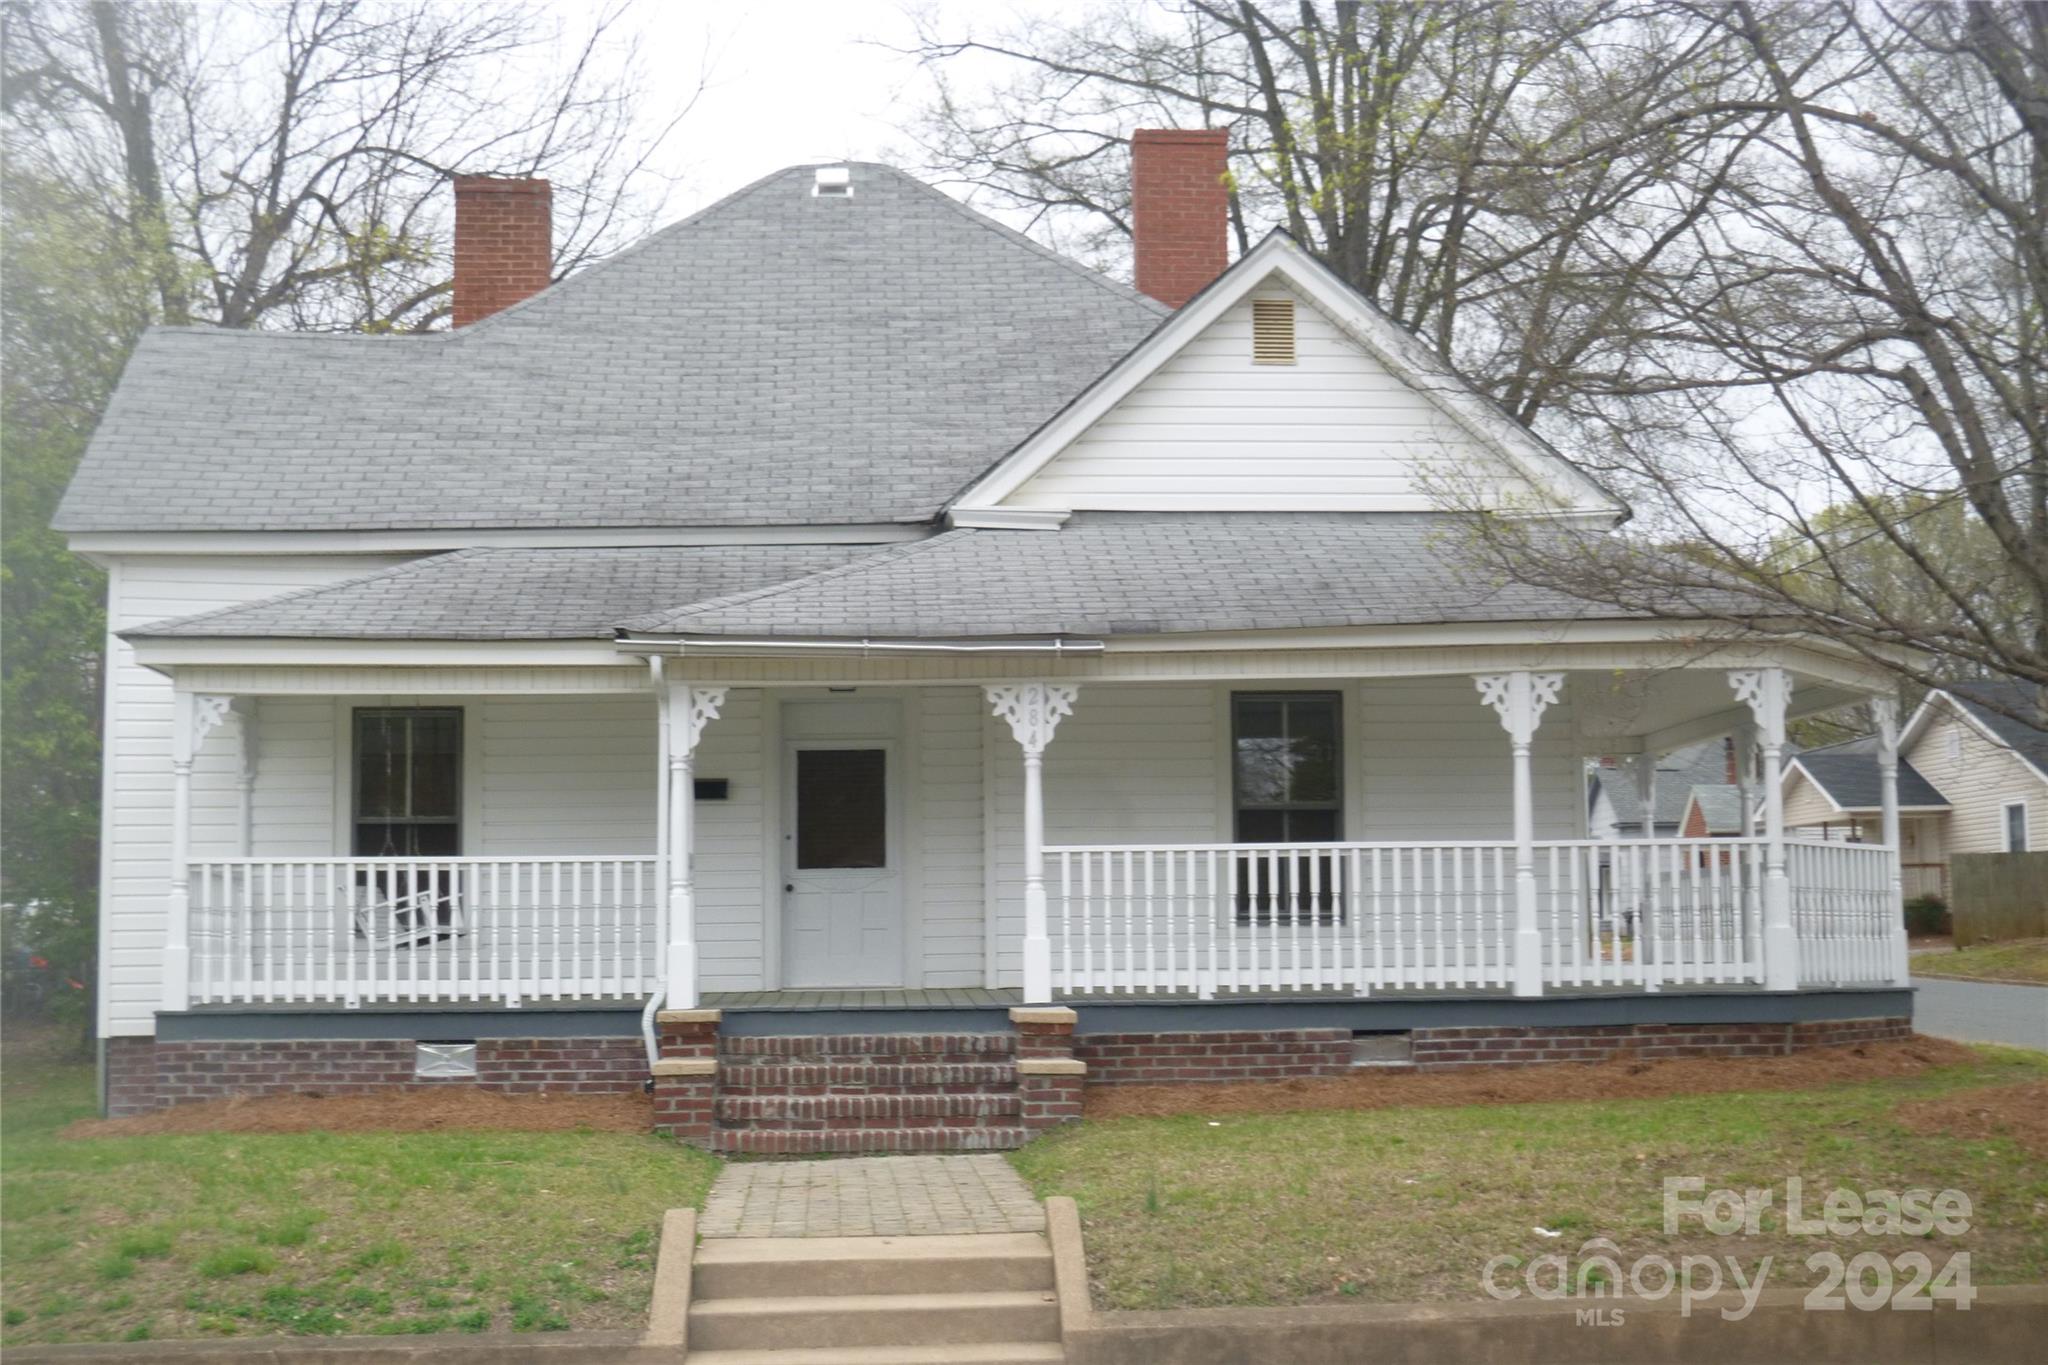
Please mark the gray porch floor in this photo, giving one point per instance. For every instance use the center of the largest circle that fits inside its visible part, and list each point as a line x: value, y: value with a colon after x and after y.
x: 940, y: 998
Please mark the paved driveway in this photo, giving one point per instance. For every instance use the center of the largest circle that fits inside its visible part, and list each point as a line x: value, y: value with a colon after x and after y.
x: 1979, y: 1012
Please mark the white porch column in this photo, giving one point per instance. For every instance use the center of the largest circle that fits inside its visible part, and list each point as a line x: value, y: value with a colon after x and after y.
x: 1885, y: 711
x: 194, y: 715
x: 1766, y: 691
x: 1034, y: 711
x: 689, y: 710
x: 245, y: 773
x: 1745, y: 775
x: 1645, y: 766
x: 1520, y: 700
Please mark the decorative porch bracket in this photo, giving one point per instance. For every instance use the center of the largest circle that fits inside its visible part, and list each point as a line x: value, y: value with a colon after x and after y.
x: 1520, y: 699
x: 1033, y: 712
x: 194, y: 716
x: 1766, y: 691
x: 1885, y: 712
x: 686, y: 711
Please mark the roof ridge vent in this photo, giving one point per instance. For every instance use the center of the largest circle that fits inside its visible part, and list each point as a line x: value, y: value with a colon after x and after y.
x: 833, y: 182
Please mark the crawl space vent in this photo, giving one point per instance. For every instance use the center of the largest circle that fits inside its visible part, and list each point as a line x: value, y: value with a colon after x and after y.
x: 833, y: 182
x: 1272, y: 331
x: 439, y: 1061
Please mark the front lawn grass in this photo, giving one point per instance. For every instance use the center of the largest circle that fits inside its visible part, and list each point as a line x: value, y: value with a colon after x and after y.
x: 1399, y: 1205
x: 144, y: 1238
x: 2023, y: 960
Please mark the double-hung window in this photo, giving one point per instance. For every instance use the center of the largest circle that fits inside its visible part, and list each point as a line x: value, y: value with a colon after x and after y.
x: 1287, y: 787
x: 2016, y: 827
x: 407, y: 768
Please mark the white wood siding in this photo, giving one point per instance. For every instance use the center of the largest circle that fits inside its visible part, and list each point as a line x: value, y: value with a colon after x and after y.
x: 1807, y: 808
x: 1978, y: 782
x: 946, y: 833
x: 1211, y: 430
x: 136, y: 799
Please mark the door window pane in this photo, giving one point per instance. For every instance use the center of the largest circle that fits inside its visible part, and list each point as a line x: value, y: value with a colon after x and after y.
x: 842, y: 808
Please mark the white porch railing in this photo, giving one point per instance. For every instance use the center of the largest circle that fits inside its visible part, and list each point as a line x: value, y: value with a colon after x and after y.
x: 439, y: 930
x: 1844, y: 909
x: 1363, y: 917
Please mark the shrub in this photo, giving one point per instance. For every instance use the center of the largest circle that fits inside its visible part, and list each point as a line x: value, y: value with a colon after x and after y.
x: 1928, y: 915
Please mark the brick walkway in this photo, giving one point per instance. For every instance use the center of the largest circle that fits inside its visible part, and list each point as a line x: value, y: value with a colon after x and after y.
x: 872, y: 1196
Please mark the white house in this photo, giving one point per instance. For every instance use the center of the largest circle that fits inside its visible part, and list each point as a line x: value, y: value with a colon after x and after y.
x: 838, y: 617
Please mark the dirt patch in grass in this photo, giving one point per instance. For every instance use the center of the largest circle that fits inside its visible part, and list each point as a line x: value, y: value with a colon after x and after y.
x: 2019, y: 1112
x: 398, y: 1111
x: 1620, y: 1079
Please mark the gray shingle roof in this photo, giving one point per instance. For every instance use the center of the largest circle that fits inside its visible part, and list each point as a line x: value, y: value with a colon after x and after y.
x: 510, y: 594
x: 1848, y: 773
x: 1108, y: 574
x: 777, y: 358
x: 2031, y: 741
x: 1678, y: 772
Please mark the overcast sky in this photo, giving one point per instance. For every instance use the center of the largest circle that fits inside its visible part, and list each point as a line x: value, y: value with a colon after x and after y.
x: 802, y: 81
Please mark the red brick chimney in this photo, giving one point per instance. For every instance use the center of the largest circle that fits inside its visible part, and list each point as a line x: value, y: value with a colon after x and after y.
x: 1179, y: 210
x: 504, y: 243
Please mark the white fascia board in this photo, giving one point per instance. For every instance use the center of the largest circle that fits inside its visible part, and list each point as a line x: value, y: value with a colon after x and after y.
x: 170, y: 652
x: 1386, y: 341
x: 92, y: 543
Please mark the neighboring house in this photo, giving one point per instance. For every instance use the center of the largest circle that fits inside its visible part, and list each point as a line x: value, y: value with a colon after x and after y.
x: 1713, y: 810
x: 865, y: 633
x: 1614, y: 795
x: 1973, y: 778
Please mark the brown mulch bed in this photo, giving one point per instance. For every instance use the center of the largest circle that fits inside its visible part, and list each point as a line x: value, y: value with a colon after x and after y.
x: 394, y: 1111
x: 2019, y: 1112
x: 1621, y: 1079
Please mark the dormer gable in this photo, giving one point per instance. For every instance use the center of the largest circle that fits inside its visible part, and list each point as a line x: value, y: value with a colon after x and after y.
x: 1280, y: 388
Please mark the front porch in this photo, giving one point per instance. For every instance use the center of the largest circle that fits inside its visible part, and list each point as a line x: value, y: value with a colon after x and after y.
x: 934, y: 886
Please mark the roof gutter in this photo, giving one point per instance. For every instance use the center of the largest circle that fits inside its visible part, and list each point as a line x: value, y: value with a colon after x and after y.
x: 865, y: 648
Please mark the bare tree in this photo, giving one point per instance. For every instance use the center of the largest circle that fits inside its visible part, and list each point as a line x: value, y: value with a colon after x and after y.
x: 1431, y: 154
x: 1846, y: 412
x: 280, y: 163
x: 1776, y: 271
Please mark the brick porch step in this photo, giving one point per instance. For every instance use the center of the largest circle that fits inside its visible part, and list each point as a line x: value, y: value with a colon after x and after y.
x: 866, y: 1046
x: 809, y: 1141
x: 748, y: 1076
x: 866, y: 1105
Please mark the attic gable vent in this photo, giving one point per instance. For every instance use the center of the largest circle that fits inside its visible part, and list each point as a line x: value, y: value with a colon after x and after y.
x: 1272, y: 331
x: 833, y: 182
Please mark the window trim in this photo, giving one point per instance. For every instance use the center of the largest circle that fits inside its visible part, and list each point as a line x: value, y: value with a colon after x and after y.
x: 352, y: 818
x: 2005, y: 810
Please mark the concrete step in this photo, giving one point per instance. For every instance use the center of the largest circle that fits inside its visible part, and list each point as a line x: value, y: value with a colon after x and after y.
x: 838, y: 1320
x: 758, y: 1110
x: 809, y: 1141
x: 765, y: 1267
x: 784, y: 1077
x: 961, y: 1353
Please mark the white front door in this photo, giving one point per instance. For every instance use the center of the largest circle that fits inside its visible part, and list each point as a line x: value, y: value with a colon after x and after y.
x: 842, y: 861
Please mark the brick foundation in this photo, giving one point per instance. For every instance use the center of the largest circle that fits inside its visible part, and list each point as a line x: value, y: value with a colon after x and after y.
x: 1196, y: 1058
x: 1446, y: 1048
x: 145, y: 1074
x: 907, y: 1092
